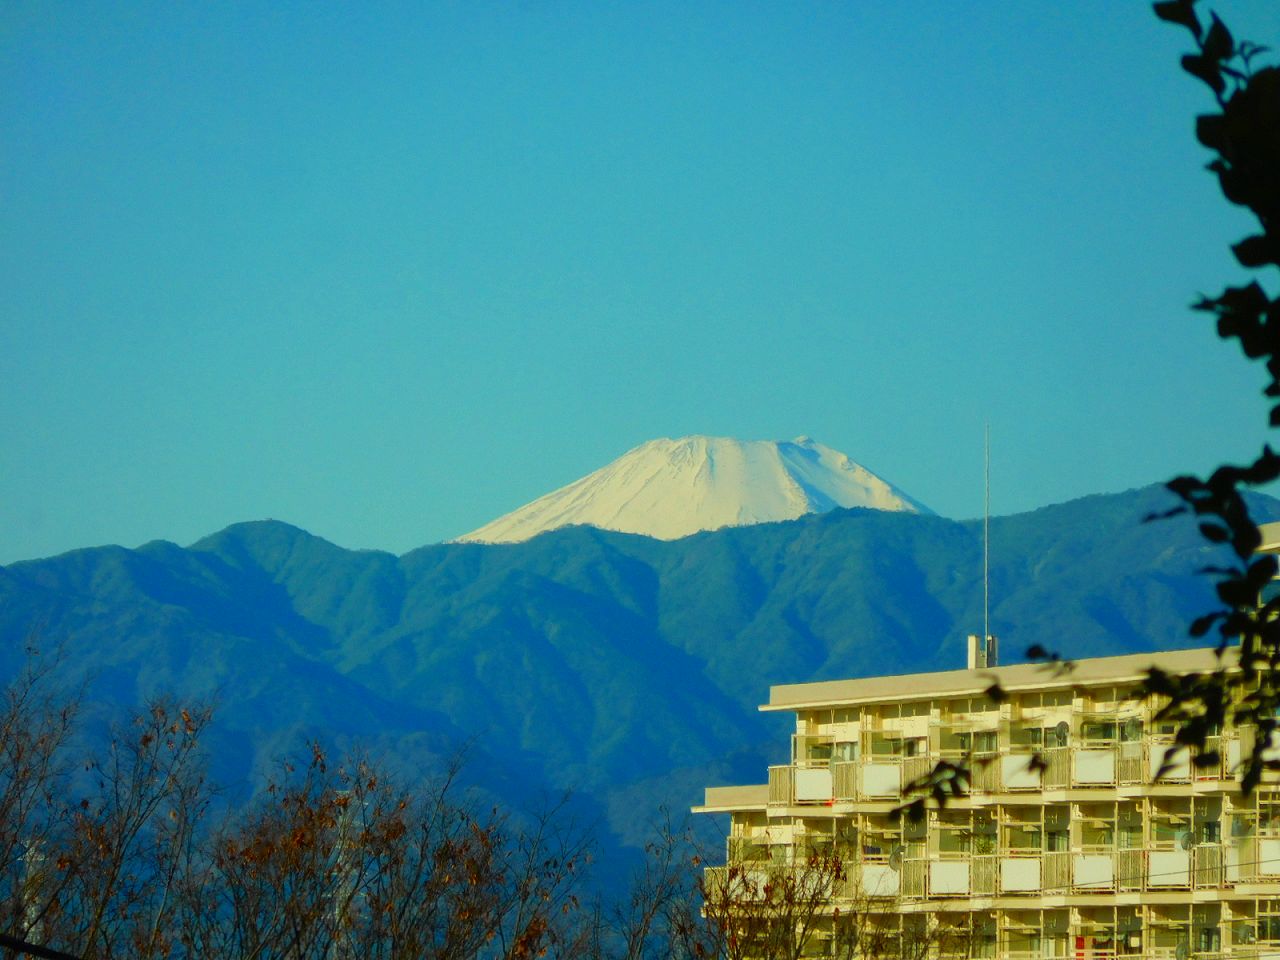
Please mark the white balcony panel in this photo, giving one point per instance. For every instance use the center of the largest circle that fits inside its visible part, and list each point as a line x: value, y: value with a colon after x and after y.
x: 881, y: 779
x: 1020, y: 873
x: 1232, y: 857
x: 1016, y: 773
x: 1095, y: 766
x: 949, y: 876
x: 1181, y: 768
x: 1169, y: 868
x: 813, y: 783
x: 1269, y: 856
x: 748, y: 885
x: 880, y: 880
x: 1093, y: 870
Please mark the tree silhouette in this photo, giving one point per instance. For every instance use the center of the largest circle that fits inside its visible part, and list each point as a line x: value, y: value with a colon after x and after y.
x: 1244, y: 135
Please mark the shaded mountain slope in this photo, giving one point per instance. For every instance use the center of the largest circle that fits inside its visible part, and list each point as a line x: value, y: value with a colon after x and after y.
x: 625, y: 668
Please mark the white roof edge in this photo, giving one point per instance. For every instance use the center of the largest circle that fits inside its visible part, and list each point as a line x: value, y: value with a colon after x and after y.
x: 1024, y: 676
x: 738, y: 797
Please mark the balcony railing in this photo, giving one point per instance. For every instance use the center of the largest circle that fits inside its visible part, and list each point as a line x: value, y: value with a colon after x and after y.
x: 776, y: 883
x: 1057, y: 772
x: 913, y: 878
x: 983, y: 876
x: 780, y: 785
x: 1057, y: 871
x: 1129, y: 765
x: 915, y: 769
x: 1131, y: 869
x: 1208, y: 866
x: 1102, y: 765
x: 984, y: 773
x: 1022, y: 873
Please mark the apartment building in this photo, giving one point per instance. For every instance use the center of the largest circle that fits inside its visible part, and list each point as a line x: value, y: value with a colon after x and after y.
x: 1067, y: 845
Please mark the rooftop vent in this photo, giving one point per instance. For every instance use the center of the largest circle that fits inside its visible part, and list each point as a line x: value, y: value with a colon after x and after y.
x: 983, y: 655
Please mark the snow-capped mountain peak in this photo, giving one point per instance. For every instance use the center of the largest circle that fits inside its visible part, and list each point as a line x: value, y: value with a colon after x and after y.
x: 673, y: 488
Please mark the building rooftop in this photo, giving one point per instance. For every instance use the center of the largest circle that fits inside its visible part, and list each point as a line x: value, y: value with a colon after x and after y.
x: 1024, y: 676
x: 1270, y: 537
x: 732, y: 799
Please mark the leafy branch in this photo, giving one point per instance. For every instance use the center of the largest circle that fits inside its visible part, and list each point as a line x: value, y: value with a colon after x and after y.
x: 1244, y: 135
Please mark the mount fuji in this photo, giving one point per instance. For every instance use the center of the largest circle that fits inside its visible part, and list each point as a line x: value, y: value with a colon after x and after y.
x: 668, y: 489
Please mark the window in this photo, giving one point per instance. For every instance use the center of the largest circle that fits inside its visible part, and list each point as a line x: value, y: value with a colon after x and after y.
x: 1022, y: 836
x: 819, y: 752
x: 1269, y: 813
x: 914, y: 747
x: 1210, y: 940
x: 1099, y: 731
x: 845, y: 751
x: 1269, y: 928
x: 1269, y: 920
x: 1028, y: 736
x: 882, y: 746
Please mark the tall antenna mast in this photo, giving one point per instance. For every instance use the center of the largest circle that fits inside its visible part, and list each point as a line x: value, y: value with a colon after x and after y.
x: 986, y: 535
x: 982, y: 650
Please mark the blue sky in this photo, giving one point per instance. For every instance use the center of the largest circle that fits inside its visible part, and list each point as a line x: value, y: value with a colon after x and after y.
x: 387, y: 271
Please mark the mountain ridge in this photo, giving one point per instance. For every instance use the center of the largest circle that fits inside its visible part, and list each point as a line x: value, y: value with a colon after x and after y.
x: 619, y: 666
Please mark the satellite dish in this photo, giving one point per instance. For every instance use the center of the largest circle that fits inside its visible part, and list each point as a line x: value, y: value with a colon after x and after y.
x: 1185, y: 839
x: 1181, y: 951
x: 895, y: 858
x: 1133, y: 729
x: 1062, y: 731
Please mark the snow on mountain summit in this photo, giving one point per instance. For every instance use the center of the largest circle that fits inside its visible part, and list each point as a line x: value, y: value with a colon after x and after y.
x: 672, y: 488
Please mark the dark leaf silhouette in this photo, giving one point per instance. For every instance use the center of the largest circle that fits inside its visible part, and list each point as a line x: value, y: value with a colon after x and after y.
x: 1181, y: 12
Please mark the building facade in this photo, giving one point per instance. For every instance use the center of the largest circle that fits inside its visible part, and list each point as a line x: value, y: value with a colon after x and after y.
x: 1066, y: 843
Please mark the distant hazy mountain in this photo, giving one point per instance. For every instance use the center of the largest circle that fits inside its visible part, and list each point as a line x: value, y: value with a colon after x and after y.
x: 624, y: 668
x: 672, y: 488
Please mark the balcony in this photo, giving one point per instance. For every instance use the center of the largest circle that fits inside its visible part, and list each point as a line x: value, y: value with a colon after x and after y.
x: 779, y: 883
x: 1033, y: 874
x: 754, y: 849
x: 1091, y: 870
x: 819, y: 775
x: 1253, y: 859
